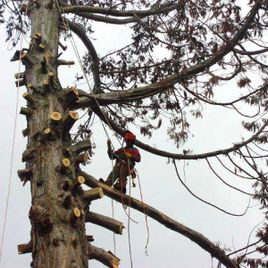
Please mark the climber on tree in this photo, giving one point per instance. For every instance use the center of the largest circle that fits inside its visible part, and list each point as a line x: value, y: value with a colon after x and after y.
x: 126, y: 157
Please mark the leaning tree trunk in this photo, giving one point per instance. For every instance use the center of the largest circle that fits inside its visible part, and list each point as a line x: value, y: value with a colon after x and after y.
x: 58, y: 236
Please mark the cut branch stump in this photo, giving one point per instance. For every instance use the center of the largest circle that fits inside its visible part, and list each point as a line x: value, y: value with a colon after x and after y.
x: 30, y: 98
x: 25, y: 248
x: 26, y: 60
x: 20, y: 82
x: 105, y: 257
x: 25, y: 175
x: 55, y: 118
x: 48, y: 134
x: 69, y: 122
x: 26, y: 111
x: 93, y: 194
x: 106, y: 222
x: 38, y: 38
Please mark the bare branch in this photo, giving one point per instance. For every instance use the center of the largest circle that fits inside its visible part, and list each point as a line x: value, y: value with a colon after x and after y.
x: 65, y: 62
x: 243, y: 170
x: 89, y: 12
x: 233, y: 172
x: 105, y: 257
x: 202, y: 200
x: 194, y: 236
x: 105, y: 118
x: 254, y: 52
x: 25, y: 248
x: 230, y: 103
x: 226, y: 183
x: 165, y: 84
x: 93, y: 194
x: 106, y: 222
x: 91, y: 50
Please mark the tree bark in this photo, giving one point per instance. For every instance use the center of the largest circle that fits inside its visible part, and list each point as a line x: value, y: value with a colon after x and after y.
x: 58, y: 239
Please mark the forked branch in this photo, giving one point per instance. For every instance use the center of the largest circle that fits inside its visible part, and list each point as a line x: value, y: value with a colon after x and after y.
x: 142, y: 92
x: 110, y: 15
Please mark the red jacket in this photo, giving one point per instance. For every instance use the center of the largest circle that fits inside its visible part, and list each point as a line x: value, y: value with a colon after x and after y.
x: 121, y: 154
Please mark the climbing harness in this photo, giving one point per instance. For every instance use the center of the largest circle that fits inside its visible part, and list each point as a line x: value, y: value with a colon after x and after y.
x: 131, y: 174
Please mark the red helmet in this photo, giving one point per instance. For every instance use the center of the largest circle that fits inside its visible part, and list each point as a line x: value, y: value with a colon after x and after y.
x: 129, y: 136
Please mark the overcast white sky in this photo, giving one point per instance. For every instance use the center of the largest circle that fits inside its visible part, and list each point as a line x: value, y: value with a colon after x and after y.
x: 160, y: 186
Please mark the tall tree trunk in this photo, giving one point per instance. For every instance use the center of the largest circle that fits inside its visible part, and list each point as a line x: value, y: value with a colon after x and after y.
x: 57, y: 218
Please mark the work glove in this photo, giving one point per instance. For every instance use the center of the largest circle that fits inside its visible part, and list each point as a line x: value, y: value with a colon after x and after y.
x: 109, y: 144
x: 117, y: 156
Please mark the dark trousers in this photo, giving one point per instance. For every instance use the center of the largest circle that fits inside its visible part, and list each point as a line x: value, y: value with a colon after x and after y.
x: 120, y: 171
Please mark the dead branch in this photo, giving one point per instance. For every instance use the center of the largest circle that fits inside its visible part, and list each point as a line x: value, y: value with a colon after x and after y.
x: 120, y: 13
x: 25, y: 248
x: 70, y: 96
x: 93, y: 54
x: 105, y: 257
x: 81, y: 146
x: 105, y: 118
x: 104, y: 221
x: 69, y: 121
x: 25, y: 174
x: 165, y: 84
x: 194, y: 236
x: 93, y: 194
x: 65, y: 62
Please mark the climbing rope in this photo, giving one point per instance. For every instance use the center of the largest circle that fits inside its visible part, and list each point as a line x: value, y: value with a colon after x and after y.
x: 145, y: 215
x: 128, y: 234
x: 11, y: 158
x: 67, y: 28
x: 114, y: 239
x: 112, y: 206
x: 70, y: 35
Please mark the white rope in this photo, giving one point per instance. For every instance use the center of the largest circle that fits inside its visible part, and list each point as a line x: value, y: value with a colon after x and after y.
x: 112, y: 206
x: 67, y: 28
x: 69, y: 33
x: 145, y: 216
x: 66, y: 25
x: 128, y: 234
x: 11, y: 161
x: 107, y: 135
x: 114, y: 239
